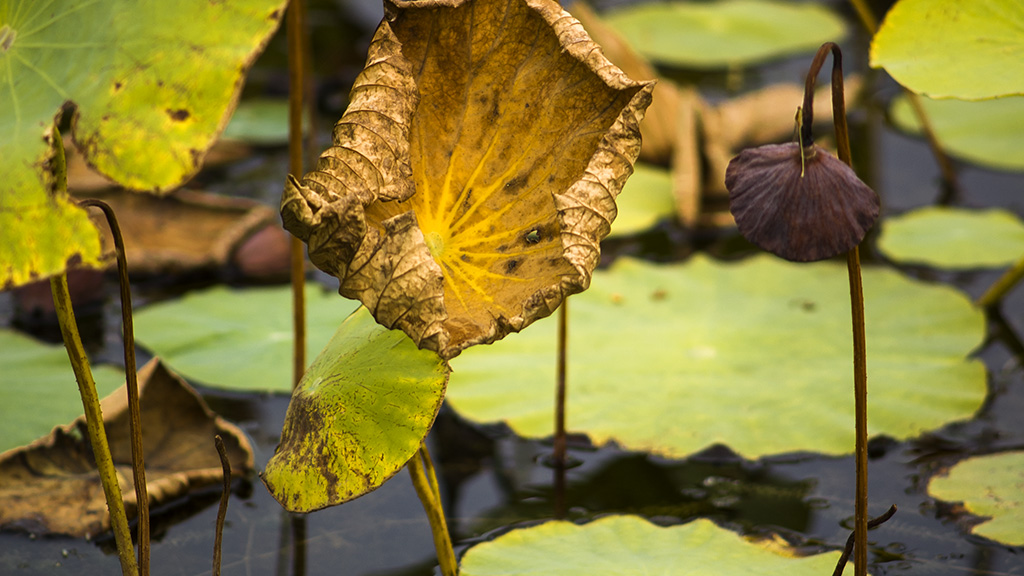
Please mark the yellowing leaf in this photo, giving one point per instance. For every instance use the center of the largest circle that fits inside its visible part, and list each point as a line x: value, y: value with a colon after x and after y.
x: 151, y: 84
x: 991, y: 486
x: 474, y: 172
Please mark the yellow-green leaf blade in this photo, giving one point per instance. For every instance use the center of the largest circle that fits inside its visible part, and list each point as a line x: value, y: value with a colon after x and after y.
x: 968, y: 50
x: 358, y: 415
x: 617, y: 545
x: 953, y: 238
x: 990, y: 486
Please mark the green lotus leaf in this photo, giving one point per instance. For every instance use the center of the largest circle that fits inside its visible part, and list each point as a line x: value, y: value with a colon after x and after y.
x: 645, y: 199
x: 990, y: 486
x: 237, y: 339
x: 260, y: 121
x: 968, y: 50
x: 38, y: 389
x: 953, y: 238
x: 152, y: 84
x: 989, y: 133
x: 358, y: 415
x: 724, y: 33
x: 674, y: 358
x: 631, y: 545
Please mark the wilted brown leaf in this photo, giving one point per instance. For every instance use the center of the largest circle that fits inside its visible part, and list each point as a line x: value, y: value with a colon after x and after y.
x: 475, y: 170
x: 51, y: 486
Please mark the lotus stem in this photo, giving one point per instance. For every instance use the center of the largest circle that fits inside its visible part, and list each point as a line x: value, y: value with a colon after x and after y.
x: 559, y: 455
x: 860, y: 368
x: 1008, y: 280
x: 94, y: 423
x: 132, y: 384
x: 429, y: 495
x: 296, y: 87
x: 225, y: 495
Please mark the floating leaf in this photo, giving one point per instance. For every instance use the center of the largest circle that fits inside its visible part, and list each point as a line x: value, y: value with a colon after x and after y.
x: 34, y: 375
x: 992, y: 487
x: 360, y: 412
x: 724, y: 352
x: 647, y: 200
x: 262, y: 121
x: 989, y: 133
x: 724, y: 33
x: 152, y: 85
x: 953, y: 238
x: 969, y: 50
x: 474, y: 172
x: 237, y: 339
x: 631, y: 545
x: 52, y: 485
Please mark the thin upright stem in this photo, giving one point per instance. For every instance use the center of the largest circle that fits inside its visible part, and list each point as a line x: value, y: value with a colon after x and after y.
x: 860, y: 370
x: 560, y: 448
x: 296, y: 86
x: 860, y: 393
x: 225, y: 495
x: 132, y: 384
x: 94, y: 422
x: 429, y: 497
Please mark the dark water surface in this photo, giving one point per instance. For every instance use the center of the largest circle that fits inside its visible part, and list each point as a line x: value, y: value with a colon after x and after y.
x: 491, y: 480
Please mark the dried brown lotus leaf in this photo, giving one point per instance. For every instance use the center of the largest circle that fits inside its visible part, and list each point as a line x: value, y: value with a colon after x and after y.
x: 475, y: 172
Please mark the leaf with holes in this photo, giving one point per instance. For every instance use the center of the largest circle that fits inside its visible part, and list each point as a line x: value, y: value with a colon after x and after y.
x: 475, y: 171
x: 151, y: 84
x: 358, y: 415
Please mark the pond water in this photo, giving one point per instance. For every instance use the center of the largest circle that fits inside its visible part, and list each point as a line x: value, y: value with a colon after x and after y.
x: 491, y: 480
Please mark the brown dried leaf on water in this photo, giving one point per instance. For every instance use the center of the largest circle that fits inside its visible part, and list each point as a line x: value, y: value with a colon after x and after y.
x: 475, y: 171
x: 52, y: 487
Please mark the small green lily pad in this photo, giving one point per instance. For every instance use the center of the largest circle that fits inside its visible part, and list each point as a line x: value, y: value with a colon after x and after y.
x: 616, y: 545
x: 238, y: 339
x: 989, y: 486
x: 988, y: 133
x: 970, y: 50
x: 360, y: 412
x: 953, y: 238
x: 724, y: 33
x: 38, y: 389
x: 672, y: 359
x: 260, y: 121
x: 644, y: 201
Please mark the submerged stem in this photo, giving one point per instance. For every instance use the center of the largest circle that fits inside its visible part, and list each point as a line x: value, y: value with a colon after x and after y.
x: 132, y: 384
x: 429, y: 496
x: 94, y: 422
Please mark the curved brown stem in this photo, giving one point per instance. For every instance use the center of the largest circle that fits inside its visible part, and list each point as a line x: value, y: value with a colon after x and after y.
x: 131, y: 383
x: 848, y: 549
x: 225, y: 495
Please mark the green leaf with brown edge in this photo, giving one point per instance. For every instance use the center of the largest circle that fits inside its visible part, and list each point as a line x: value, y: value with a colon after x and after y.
x: 990, y: 486
x: 52, y: 487
x: 151, y: 83
x: 360, y: 412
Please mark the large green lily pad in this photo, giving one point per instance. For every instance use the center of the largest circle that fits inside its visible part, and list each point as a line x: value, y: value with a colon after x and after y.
x: 969, y: 50
x: 38, y: 389
x: 645, y: 199
x: 953, y: 238
x: 237, y: 339
x: 674, y: 358
x: 360, y: 412
x: 726, y: 32
x: 989, y: 133
x: 152, y: 85
x: 990, y: 486
x: 631, y: 545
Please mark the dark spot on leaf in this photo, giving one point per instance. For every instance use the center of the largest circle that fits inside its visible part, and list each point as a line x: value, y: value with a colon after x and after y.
x: 275, y: 15
x: 515, y: 184
x: 532, y: 237
x: 659, y: 294
x: 464, y: 258
x: 502, y: 248
x: 178, y: 115
x: 511, y: 266
x: 118, y: 86
x: 551, y: 179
